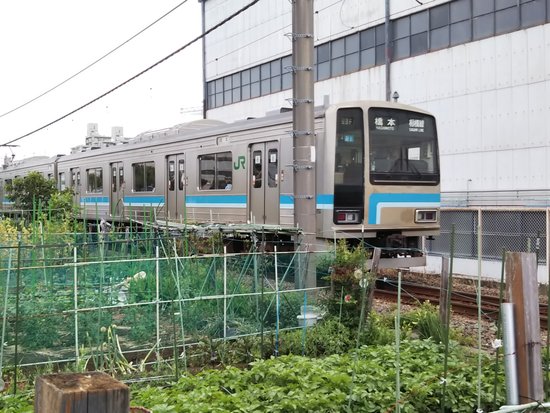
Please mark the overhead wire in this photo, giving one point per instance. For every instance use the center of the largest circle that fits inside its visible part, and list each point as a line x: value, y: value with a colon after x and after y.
x: 93, y: 63
x: 191, y: 42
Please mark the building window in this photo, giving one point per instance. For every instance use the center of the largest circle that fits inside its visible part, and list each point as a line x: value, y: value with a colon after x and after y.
x: 286, y: 64
x: 95, y: 180
x: 507, y: 20
x: 215, y: 171
x: 533, y: 13
x: 144, y: 176
x: 452, y: 23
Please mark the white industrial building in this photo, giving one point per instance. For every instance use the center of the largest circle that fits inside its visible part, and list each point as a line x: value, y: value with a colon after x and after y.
x: 482, y: 67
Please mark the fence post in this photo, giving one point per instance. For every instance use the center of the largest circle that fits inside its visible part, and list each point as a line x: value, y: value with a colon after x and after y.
x: 224, y: 292
x: 157, y: 299
x: 77, y: 354
x: 80, y: 393
x: 444, y: 296
x: 522, y: 291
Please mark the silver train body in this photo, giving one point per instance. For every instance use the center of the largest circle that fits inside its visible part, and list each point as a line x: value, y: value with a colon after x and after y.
x: 377, y: 174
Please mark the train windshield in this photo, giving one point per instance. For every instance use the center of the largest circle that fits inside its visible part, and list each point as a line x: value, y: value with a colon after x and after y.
x: 402, y: 147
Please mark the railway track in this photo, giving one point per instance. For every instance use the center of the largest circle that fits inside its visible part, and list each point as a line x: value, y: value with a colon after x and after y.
x: 462, y: 302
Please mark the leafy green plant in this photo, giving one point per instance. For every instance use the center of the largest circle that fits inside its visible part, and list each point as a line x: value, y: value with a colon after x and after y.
x: 424, y: 321
x: 30, y: 190
x: 299, y: 384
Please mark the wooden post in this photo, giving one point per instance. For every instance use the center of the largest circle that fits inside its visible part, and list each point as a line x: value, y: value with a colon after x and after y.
x: 522, y: 290
x: 372, y: 279
x: 444, y: 296
x: 93, y: 392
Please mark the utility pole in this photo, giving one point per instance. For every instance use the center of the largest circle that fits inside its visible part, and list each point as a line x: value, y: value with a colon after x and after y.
x: 304, y: 131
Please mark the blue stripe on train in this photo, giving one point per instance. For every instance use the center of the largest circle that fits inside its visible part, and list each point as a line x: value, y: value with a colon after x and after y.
x: 92, y: 200
x: 379, y: 201
x: 144, y: 200
x: 215, y: 201
x: 324, y: 201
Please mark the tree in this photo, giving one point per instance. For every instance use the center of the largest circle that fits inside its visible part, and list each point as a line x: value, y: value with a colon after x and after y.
x: 30, y: 191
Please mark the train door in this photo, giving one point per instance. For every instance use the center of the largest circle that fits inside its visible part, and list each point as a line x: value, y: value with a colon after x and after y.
x: 117, y: 189
x: 176, y: 187
x: 75, y: 185
x: 264, y: 183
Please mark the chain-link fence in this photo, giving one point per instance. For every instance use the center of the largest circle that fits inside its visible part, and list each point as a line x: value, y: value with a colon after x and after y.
x: 501, y: 229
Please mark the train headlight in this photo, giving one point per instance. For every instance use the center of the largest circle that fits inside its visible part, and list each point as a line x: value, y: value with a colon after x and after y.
x: 348, y: 217
x: 425, y: 215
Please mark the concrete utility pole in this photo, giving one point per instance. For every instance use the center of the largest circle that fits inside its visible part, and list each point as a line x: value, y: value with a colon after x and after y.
x: 303, y: 127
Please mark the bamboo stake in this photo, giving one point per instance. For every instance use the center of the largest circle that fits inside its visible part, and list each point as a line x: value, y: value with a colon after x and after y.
x: 76, y: 344
x: 18, y: 285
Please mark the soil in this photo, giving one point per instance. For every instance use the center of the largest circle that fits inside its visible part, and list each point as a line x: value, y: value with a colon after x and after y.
x: 467, y: 325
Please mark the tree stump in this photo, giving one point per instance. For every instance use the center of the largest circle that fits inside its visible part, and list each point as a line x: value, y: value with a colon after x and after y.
x: 92, y: 392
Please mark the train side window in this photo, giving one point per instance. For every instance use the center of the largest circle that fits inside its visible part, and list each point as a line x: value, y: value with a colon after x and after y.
x: 181, y: 174
x: 62, y: 183
x: 257, y: 169
x: 95, y: 180
x: 144, y: 176
x: 272, y: 168
x: 113, y: 183
x: 75, y: 178
x: 171, y: 175
x: 121, y: 176
x: 215, y: 171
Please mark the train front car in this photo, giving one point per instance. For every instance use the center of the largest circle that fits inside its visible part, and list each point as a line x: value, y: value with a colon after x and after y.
x: 384, y: 159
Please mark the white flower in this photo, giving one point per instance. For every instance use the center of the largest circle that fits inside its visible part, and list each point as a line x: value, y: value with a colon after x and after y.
x: 497, y: 343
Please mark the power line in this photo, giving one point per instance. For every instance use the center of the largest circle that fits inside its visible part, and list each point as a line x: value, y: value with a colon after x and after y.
x: 232, y: 16
x: 93, y: 63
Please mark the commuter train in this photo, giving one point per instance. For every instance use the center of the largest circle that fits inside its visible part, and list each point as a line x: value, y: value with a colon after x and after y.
x: 377, y: 174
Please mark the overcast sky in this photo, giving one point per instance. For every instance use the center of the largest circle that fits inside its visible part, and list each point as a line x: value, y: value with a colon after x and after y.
x: 45, y: 42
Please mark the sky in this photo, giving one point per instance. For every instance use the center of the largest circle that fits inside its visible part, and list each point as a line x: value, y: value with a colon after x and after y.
x: 43, y: 43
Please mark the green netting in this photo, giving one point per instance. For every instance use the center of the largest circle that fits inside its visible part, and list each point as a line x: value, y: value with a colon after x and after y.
x: 133, y: 303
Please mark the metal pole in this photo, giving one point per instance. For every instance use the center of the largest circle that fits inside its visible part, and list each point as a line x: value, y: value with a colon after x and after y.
x: 548, y: 296
x: 398, y: 345
x: 18, y: 285
x: 75, y: 272
x: 277, y: 305
x: 157, y: 297
x: 224, y: 292
x: 303, y: 126
x: 512, y: 391
x: 4, y: 320
x: 387, y: 50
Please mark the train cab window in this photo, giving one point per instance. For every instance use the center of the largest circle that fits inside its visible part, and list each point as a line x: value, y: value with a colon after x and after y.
x: 402, y: 147
x: 257, y: 169
x: 95, y: 180
x: 215, y: 171
x: 144, y: 176
x: 62, y: 182
x: 171, y: 175
x: 181, y: 174
x: 272, y: 168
